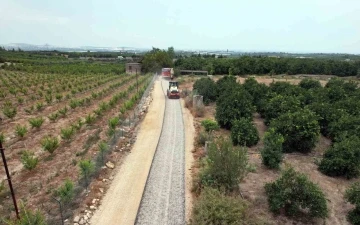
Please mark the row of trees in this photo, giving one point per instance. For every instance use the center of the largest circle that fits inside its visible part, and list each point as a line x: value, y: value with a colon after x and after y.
x: 268, y: 65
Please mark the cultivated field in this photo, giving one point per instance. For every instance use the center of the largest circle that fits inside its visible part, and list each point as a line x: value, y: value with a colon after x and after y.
x: 52, y: 122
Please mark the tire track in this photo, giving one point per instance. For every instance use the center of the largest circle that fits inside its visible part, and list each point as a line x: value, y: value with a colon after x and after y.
x: 163, y: 199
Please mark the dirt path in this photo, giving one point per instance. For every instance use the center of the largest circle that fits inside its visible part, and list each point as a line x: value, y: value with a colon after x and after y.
x: 163, y: 200
x: 121, y: 202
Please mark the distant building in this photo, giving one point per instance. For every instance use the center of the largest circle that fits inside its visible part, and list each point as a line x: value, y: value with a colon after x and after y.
x: 133, y: 68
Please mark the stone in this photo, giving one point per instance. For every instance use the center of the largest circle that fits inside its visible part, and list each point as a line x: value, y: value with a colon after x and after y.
x: 82, y: 221
x: 76, y: 219
x: 94, y: 201
x: 128, y: 145
x: 92, y: 207
x: 111, y: 178
x: 85, y: 217
x: 76, y: 224
x: 110, y: 165
x: 105, y: 180
x: 101, y: 190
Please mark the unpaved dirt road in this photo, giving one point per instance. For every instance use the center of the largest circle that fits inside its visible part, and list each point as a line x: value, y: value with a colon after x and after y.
x: 163, y: 200
x: 122, y: 200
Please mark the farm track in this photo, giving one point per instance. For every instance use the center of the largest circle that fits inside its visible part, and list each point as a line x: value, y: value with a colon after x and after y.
x: 163, y: 200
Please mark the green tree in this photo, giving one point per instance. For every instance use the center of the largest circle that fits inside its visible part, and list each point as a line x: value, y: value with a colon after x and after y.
x: 66, y: 191
x: 244, y: 132
x: 234, y: 104
x: 295, y: 193
x: 342, y: 159
x: 272, y: 153
x: 300, y: 130
x: 86, y: 169
x: 352, y: 195
x: 207, y: 88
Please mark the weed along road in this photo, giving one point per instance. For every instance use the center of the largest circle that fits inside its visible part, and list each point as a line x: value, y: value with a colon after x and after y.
x: 163, y: 199
x: 149, y: 186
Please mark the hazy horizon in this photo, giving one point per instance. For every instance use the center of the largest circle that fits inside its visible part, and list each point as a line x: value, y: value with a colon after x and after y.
x: 306, y: 26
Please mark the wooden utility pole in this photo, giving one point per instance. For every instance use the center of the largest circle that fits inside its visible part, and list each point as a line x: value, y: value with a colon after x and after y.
x: 9, y: 180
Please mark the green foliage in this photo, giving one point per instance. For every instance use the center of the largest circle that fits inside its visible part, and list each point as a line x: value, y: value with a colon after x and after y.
x: 226, y: 165
x: 300, y: 130
x: 113, y: 122
x: 90, y: 119
x: 279, y: 105
x: 233, y: 104
x: 294, y: 193
x: 50, y: 143
x: 207, y: 88
x: 103, y: 148
x: 67, y: 133
x: 352, y: 195
x: 9, y: 110
x: 86, y: 168
x: 63, y: 111
x: 53, y: 116
x: 209, y: 125
x: 214, y: 207
x: 344, y: 126
x: 28, y: 217
x: 29, y: 160
x: 155, y: 60
x: 244, y: 132
x: 73, y: 103
x: 39, y: 106
x: 20, y: 130
x: 308, y: 83
x: 342, y: 159
x: 225, y: 83
x: 203, y: 137
x: 66, y: 191
x: 36, y: 122
x: 272, y: 153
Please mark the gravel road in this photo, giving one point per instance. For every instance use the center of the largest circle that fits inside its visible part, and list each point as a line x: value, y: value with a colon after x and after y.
x: 163, y: 200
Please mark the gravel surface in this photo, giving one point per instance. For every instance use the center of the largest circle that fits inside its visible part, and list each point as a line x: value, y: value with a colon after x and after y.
x: 163, y: 199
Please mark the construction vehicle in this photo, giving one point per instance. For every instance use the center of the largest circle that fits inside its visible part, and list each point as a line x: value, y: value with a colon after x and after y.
x: 167, y: 72
x: 173, y: 90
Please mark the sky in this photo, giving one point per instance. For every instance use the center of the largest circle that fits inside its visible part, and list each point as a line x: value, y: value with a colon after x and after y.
x: 327, y: 26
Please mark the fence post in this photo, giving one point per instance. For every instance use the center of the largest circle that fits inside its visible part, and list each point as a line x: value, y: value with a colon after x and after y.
x: 9, y: 180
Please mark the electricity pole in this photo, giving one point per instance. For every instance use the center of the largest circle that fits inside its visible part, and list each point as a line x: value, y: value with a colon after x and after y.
x: 9, y: 180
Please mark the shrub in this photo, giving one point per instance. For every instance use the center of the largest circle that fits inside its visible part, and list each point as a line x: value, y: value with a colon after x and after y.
x: 39, y: 106
x: 36, y: 122
x: 214, y: 207
x: 300, y: 130
x: 209, y: 125
x: 86, y: 168
x: 48, y: 98
x: 58, y: 97
x: 20, y: 130
x: 234, y: 104
x: 352, y: 195
x: 67, y: 133
x: 90, y: 119
x: 20, y: 100
x: 53, y: 116
x: 28, y: 217
x: 309, y: 83
x: 66, y: 191
x: 50, y: 143
x: 63, y: 111
x: 9, y: 111
x: 73, y: 103
x: 244, y: 132
x: 342, y: 159
x: 226, y: 165
x: 28, y: 160
x: 113, y: 122
x: 207, y: 88
x: 344, y: 126
x: 272, y: 153
x: 103, y: 148
x: 294, y: 192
